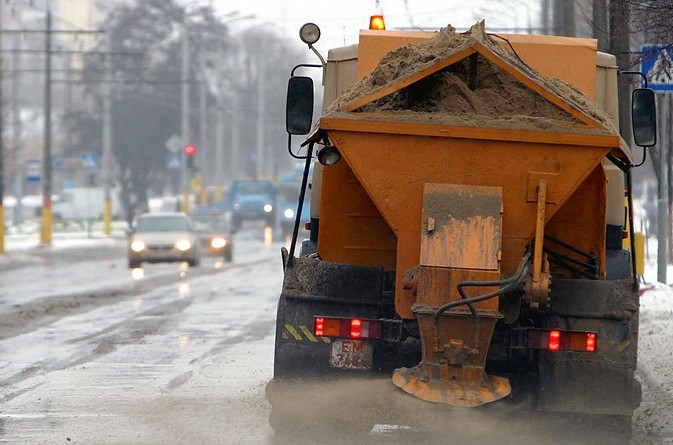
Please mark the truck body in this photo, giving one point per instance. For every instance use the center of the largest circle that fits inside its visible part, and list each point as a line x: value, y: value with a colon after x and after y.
x: 469, y: 240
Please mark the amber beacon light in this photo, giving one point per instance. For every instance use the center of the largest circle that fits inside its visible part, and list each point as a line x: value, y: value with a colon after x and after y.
x: 377, y: 22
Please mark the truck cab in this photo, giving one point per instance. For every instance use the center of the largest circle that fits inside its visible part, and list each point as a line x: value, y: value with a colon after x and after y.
x: 252, y: 201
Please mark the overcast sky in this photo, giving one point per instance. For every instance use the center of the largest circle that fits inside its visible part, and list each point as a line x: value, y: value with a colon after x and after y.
x: 341, y: 20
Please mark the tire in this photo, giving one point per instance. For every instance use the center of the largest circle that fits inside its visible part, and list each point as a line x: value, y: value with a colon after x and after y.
x: 134, y: 264
x: 194, y: 262
x: 228, y: 256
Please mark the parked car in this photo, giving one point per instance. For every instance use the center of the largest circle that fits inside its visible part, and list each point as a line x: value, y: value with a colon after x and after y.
x: 163, y: 237
x: 252, y: 200
x: 214, y: 236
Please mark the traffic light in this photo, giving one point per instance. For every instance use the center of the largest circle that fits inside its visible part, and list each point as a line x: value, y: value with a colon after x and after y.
x: 190, y: 151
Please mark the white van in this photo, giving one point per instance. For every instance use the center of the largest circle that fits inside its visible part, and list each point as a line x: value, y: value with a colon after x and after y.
x: 83, y: 203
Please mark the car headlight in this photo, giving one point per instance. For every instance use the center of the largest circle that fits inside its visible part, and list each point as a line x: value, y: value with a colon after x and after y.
x: 268, y: 208
x: 218, y: 243
x: 183, y: 245
x: 289, y: 213
x: 137, y: 246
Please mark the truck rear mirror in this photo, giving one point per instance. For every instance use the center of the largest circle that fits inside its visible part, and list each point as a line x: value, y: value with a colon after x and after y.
x: 299, y: 106
x: 644, y: 117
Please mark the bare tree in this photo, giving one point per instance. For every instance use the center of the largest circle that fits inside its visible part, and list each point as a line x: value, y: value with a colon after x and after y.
x: 654, y: 17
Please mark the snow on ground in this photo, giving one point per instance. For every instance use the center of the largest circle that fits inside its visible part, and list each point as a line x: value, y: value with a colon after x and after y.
x: 654, y: 417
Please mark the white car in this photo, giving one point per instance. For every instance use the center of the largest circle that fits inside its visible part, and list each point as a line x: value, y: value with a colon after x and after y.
x: 163, y: 237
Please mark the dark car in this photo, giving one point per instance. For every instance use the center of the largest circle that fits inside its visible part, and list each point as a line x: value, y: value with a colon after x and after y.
x: 214, y: 236
x: 252, y: 200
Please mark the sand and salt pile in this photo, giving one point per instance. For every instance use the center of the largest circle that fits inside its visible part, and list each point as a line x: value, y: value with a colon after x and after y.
x: 451, y: 96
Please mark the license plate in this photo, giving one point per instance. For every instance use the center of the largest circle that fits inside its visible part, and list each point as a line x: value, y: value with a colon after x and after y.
x: 351, y: 354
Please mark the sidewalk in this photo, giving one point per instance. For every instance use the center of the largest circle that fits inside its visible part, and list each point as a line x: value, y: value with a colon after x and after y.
x: 26, y: 249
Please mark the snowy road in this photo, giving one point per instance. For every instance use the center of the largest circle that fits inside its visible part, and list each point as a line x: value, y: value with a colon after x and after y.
x: 91, y: 352
x: 110, y: 359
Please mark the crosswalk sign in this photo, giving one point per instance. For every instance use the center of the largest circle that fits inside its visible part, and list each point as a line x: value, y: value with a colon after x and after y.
x: 657, y: 66
x: 90, y: 161
x: 174, y: 161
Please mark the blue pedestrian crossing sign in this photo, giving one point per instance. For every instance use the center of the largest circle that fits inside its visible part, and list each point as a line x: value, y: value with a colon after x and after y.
x: 657, y: 66
x: 90, y: 161
x: 174, y: 161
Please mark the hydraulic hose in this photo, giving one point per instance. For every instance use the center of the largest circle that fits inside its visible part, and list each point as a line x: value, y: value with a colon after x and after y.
x: 508, y: 283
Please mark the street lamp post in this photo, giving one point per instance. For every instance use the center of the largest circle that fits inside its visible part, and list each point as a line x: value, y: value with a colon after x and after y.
x: 46, y: 228
x: 184, y: 111
x: 2, y: 154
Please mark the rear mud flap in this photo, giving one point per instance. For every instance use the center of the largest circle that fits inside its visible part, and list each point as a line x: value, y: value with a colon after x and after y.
x: 313, y: 287
x: 595, y: 383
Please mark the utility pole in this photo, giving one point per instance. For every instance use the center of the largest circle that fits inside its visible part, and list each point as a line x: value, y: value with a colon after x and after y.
x: 236, y: 161
x: 2, y: 151
x: 107, y: 161
x: 184, y: 113
x: 204, y: 148
x: 544, y: 13
x: 564, y: 18
x: 220, y: 170
x: 601, y: 24
x: 46, y: 228
x: 16, y: 132
x: 263, y: 171
x: 663, y: 222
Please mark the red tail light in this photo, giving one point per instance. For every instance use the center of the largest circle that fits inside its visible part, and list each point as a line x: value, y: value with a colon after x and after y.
x: 347, y: 327
x: 319, y: 327
x: 557, y: 340
x: 356, y: 328
x: 591, y: 342
x: 554, y: 341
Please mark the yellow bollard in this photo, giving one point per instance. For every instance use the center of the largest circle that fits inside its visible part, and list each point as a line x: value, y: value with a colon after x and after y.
x: 107, y: 217
x: 185, y: 202
x: 45, y: 232
x: 640, y: 254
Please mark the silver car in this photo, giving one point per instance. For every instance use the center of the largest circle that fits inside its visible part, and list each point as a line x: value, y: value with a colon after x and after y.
x: 163, y: 237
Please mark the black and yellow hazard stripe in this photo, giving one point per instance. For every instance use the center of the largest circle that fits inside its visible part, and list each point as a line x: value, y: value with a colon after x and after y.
x: 301, y: 333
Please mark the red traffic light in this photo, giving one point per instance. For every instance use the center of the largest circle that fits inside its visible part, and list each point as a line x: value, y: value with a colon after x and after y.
x: 190, y: 150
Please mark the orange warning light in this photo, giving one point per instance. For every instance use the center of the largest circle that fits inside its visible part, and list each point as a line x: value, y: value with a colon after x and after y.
x: 377, y: 22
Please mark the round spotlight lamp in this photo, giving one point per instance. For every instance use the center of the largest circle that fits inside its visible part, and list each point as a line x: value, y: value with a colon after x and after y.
x: 329, y: 155
x: 309, y: 33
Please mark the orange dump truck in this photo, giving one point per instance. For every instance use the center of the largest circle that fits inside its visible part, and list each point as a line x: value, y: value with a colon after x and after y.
x: 466, y: 233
